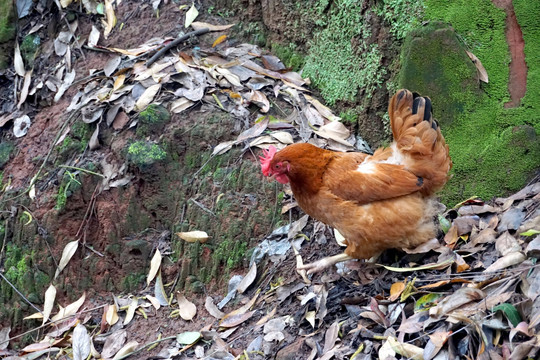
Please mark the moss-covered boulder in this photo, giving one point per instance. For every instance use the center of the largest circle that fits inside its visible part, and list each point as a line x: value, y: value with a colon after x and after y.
x: 435, y: 63
x: 495, y: 150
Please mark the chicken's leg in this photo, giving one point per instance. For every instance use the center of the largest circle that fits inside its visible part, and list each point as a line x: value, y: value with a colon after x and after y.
x: 322, y: 264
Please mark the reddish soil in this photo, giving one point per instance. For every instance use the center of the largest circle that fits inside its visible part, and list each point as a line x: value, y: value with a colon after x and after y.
x: 517, y: 83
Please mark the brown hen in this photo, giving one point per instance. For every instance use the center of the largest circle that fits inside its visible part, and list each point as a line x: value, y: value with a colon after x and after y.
x: 378, y: 201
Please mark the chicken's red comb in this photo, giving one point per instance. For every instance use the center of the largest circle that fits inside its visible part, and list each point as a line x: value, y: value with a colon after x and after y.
x: 268, y: 155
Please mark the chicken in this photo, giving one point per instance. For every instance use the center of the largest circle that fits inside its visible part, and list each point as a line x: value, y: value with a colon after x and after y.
x: 378, y: 201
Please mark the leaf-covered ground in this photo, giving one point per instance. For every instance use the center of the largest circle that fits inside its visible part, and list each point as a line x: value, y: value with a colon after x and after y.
x: 472, y: 293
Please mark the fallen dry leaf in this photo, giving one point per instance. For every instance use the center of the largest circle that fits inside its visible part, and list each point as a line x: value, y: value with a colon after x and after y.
x: 197, y: 25
x: 50, y: 297
x: 235, y: 320
x: 395, y: 290
x: 155, y: 265
x: 193, y: 236
x: 482, y: 73
x: 212, y: 308
x: 248, y: 279
x: 67, y: 254
x: 188, y: 310
x: 191, y: 15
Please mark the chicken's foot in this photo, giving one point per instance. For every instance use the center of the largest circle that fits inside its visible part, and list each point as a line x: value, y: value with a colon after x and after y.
x: 324, y: 263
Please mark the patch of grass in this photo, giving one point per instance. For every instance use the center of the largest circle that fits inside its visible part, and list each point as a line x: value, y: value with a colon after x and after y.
x: 339, y: 62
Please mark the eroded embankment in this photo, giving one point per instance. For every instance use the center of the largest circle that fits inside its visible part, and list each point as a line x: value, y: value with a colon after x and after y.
x: 517, y: 82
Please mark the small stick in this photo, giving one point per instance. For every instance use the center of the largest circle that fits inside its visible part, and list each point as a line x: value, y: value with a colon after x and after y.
x: 173, y: 43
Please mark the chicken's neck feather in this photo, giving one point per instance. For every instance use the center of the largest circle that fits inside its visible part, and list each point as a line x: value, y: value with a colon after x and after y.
x: 306, y: 176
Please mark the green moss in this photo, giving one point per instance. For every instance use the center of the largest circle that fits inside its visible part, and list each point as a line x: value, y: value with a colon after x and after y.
x: 289, y: 55
x: 350, y: 115
x: 6, y: 149
x: 29, y: 49
x: 230, y: 253
x: 339, y: 62
x: 143, y: 154
x: 80, y: 131
x: 7, y: 20
x: 139, y: 246
x: 401, y: 15
x: 75, y: 142
x: 133, y: 281
x: 527, y: 16
x: 495, y: 150
x: 434, y: 63
x: 152, y: 120
x: 254, y: 32
x: 480, y: 26
x: 19, y: 271
x: 489, y: 159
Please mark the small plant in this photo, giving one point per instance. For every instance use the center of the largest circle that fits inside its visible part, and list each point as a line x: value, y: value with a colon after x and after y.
x: 67, y: 187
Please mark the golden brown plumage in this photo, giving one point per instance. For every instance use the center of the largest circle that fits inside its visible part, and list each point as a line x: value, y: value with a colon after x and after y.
x: 377, y: 201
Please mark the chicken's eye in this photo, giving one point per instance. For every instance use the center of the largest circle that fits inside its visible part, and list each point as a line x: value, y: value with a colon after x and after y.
x: 278, y: 166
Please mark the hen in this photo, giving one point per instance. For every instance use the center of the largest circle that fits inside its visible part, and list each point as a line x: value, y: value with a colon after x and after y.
x: 378, y: 201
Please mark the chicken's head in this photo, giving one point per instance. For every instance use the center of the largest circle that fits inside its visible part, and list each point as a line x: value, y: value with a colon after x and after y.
x: 274, y: 167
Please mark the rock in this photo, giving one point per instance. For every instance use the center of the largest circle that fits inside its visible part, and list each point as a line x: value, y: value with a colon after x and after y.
x: 435, y: 64
x: 533, y: 249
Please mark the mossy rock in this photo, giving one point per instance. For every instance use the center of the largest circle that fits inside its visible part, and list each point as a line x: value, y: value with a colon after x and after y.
x: 144, y: 154
x: 435, y: 64
x: 152, y: 120
x: 494, y: 149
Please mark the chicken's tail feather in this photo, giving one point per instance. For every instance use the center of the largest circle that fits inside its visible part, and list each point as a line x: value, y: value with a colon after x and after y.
x: 418, y: 138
